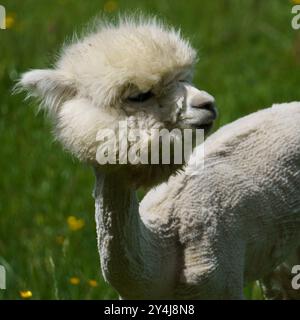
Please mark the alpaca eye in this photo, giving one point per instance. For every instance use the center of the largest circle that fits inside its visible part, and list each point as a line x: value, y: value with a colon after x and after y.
x: 141, y: 97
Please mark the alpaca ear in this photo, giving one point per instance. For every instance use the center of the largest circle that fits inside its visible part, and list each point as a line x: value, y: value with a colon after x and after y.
x: 52, y: 87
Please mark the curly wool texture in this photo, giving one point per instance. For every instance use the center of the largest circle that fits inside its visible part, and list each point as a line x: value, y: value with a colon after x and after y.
x: 135, y: 51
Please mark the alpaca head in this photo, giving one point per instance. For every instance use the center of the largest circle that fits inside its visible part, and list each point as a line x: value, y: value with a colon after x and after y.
x: 136, y: 72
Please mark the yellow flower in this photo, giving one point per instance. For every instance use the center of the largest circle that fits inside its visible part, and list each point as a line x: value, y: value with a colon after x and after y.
x: 25, y: 294
x: 9, y: 21
x: 75, y: 224
x: 93, y: 283
x: 110, y: 6
x: 296, y: 1
x: 74, y: 281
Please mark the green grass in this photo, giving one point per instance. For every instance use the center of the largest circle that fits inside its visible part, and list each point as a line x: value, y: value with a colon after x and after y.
x: 249, y: 59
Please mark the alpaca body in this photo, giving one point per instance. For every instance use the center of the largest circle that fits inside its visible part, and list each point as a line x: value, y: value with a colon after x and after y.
x: 205, y: 235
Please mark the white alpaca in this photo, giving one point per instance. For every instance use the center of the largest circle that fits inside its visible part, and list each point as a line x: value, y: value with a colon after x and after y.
x: 200, y: 235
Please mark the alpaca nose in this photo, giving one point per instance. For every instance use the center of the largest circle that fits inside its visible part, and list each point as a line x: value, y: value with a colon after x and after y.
x: 205, y: 105
x: 201, y: 100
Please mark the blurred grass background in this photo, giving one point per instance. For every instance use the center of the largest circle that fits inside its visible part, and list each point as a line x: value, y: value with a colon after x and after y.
x: 249, y: 59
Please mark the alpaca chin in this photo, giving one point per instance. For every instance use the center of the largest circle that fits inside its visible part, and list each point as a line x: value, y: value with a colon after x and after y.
x: 148, y: 176
x: 141, y: 175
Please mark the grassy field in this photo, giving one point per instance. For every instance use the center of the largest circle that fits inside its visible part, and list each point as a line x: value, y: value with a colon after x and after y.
x: 249, y: 59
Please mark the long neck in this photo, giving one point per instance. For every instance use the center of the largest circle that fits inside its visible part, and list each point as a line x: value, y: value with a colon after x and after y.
x: 132, y: 256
